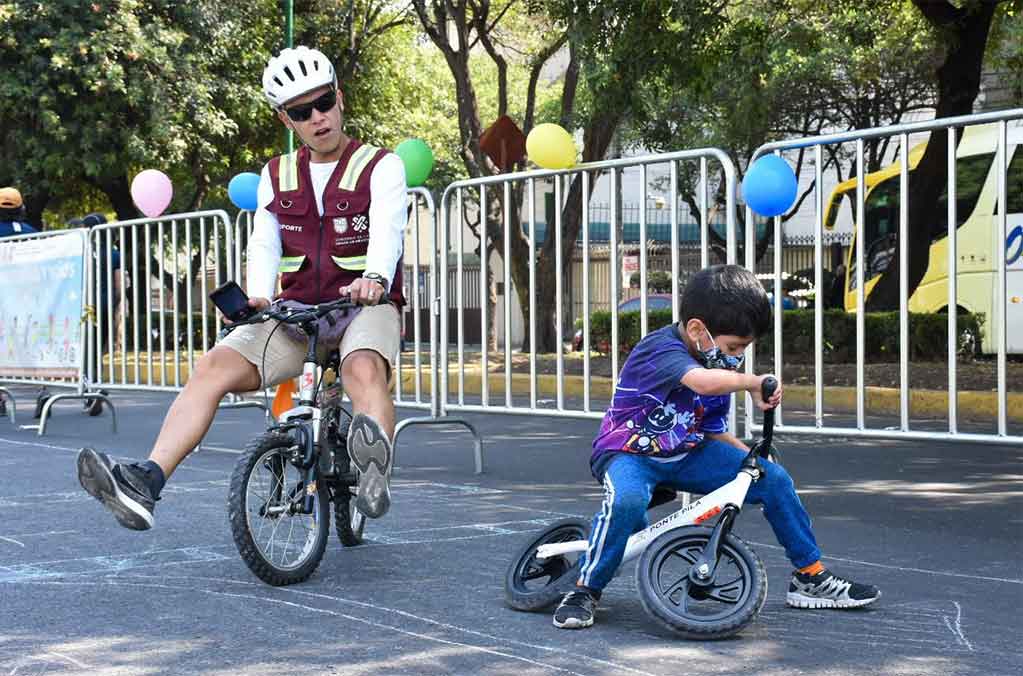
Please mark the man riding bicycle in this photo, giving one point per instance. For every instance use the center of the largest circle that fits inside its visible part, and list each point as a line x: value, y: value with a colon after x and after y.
x: 331, y: 221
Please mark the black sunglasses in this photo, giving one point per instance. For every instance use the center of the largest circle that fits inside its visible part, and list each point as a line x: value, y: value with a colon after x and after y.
x: 303, y: 112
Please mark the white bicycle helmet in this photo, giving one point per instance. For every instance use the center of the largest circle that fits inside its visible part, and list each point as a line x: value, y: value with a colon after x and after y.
x: 294, y: 72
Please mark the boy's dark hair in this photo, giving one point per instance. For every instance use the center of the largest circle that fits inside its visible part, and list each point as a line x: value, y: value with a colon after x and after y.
x: 729, y: 299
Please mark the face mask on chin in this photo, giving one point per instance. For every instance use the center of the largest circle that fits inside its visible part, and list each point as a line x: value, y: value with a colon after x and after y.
x: 715, y: 357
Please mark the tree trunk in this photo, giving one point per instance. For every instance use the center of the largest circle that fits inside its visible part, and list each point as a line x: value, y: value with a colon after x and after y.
x: 597, y: 138
x: 966, y: 30
x: 35, y: 203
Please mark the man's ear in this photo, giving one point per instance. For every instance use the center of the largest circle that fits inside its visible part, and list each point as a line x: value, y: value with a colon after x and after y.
x: 283, y: 117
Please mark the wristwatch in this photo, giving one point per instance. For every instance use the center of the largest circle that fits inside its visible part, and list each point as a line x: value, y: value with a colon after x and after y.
x: 379, y: 279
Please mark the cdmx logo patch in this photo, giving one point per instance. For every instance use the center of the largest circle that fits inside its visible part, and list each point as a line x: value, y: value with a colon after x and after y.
x: 341, y: 224
x: 360, y: 223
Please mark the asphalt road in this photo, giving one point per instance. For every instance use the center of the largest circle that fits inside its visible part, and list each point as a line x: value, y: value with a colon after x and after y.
x: 937, y: 526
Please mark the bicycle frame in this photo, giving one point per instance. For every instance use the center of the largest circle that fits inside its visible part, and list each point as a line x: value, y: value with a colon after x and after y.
x: 731, y: 494
x: 725, y: 501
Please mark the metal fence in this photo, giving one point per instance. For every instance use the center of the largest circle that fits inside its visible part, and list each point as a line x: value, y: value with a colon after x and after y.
x: 503, y: 199
x: 71, y: 370
x: 947, y: 131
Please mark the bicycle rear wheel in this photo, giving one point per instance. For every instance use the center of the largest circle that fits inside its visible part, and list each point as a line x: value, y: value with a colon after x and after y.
x: 277, y: 541
x: 532, y: 583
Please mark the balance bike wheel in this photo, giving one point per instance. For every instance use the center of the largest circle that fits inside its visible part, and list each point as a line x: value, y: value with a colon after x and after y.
x: 533, y: 584
x: 723, y: 608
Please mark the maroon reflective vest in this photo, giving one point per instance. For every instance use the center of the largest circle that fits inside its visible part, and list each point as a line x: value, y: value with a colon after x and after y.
x: 320, y: 254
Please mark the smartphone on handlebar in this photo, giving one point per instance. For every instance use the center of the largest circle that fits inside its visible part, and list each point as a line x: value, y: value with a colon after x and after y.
x: 232, y: 301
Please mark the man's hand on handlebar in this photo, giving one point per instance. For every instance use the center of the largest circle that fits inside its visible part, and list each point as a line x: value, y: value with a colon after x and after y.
x: 257, y: 305
x: 364, y: 291
x: 758, y: 397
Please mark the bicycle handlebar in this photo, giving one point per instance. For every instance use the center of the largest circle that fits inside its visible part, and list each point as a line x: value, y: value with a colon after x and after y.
x: 290, y: 315
x: 767, y: 389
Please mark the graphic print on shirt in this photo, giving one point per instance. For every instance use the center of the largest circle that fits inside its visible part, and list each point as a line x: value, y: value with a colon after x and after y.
x: 663, y: 420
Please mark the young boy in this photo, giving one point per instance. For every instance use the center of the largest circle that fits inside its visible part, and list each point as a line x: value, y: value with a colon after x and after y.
x: 666, y: 426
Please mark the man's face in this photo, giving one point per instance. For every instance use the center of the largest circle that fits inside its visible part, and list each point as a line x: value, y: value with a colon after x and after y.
x: 322, y: 130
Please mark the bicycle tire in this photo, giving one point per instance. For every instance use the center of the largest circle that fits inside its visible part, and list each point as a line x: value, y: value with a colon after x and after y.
x: 265, y: 449
x: 670, y: 607
x: 349, y: 523
x: 561, y: 572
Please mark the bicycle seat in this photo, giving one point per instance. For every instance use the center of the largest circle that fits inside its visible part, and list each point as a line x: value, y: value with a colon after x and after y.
x: 662, y: 496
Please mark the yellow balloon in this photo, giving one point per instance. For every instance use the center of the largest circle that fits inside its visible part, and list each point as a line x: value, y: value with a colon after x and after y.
x: 551, y: 147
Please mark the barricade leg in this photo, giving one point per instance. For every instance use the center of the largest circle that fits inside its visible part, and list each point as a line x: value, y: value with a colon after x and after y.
x: 7, y: 398
x: 87, y: 396
x: 477, y: 439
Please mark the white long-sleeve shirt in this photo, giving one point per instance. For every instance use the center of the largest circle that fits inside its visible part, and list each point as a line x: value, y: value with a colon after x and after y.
x: 388, y: 217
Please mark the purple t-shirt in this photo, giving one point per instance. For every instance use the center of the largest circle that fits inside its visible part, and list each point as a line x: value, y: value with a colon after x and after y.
x: 652, y: 413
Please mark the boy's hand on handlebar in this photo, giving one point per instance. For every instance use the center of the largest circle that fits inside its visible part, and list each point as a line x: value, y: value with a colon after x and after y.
x: 256, y: 304
x: 758, y: 397
x: 364, y: 291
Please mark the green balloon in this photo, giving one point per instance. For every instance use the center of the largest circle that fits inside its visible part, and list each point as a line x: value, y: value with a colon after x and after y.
x: 418, y: 159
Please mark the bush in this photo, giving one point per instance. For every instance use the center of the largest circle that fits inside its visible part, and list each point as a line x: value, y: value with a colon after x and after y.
x: 927, y: 334
x: 656, y: 282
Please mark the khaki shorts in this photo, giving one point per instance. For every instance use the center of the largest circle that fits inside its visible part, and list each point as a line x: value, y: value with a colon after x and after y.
x: 377, y: 328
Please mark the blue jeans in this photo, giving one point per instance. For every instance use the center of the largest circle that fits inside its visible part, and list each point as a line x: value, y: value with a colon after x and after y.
x: 630, y: 480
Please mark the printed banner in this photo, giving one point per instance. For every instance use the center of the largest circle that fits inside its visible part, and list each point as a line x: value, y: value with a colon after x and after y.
x: 41, y: 305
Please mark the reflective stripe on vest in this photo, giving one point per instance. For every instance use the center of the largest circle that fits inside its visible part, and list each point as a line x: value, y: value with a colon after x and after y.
x: 287, y: 172
x: 291, y: 263
x: 356, y: 164
x: 351, y: 262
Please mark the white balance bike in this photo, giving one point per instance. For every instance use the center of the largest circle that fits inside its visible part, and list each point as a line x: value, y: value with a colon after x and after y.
x: 698, y: 580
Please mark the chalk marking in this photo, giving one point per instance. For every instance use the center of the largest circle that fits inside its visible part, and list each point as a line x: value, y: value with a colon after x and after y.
x: 324, y: 611
x: 403, y: 613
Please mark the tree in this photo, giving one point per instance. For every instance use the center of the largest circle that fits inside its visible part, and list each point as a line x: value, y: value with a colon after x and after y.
x: 793, y: 69
x: 123, y: 86
x: 597, y: 94
x: 963, y: 27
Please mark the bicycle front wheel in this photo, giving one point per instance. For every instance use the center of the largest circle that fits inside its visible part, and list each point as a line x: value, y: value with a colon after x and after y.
x: 720, y: 609
x: 279, y: 542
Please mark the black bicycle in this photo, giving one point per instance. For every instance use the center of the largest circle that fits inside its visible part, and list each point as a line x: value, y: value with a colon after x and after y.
x: 287, y: 478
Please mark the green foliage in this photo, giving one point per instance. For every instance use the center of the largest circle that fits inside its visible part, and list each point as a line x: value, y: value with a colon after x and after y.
x: 928, y: 334
x: 628, y: 328
x: 656, y: 282
x: 94, y: 92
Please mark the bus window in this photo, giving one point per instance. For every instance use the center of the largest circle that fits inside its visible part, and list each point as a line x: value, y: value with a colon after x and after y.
x: 1014, y: 183
x: 971, y: 172
x: 836, y: 205
x: 881, y: 210
x: 882, y: 213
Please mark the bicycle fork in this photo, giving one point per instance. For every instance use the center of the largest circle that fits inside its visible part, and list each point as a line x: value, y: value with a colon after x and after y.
x: 703, y: 570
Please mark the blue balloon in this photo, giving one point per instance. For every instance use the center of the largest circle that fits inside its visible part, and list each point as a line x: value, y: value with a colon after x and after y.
x: 242, y: 191
x: 769, y: 187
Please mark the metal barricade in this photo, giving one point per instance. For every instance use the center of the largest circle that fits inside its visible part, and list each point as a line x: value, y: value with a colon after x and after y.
x: 571, y: 190
x: 151, y: 284
x: 421, y: 301
x: 58, y: 366
x: 999, y: 306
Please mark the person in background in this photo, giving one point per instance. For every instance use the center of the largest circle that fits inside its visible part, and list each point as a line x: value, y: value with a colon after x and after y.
x: 13, y: 220
x: 107, y: 296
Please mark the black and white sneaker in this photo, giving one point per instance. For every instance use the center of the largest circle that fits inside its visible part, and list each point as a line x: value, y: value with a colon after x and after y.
x: 371, y: 452
x: 121, y: 488
x: 827, y: 590
x: 575, y: 610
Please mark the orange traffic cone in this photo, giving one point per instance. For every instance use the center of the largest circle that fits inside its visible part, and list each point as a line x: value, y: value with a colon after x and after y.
x: 283, y: 399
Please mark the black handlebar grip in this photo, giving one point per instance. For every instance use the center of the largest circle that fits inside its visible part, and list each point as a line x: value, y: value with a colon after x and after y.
x: 768, y: 387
